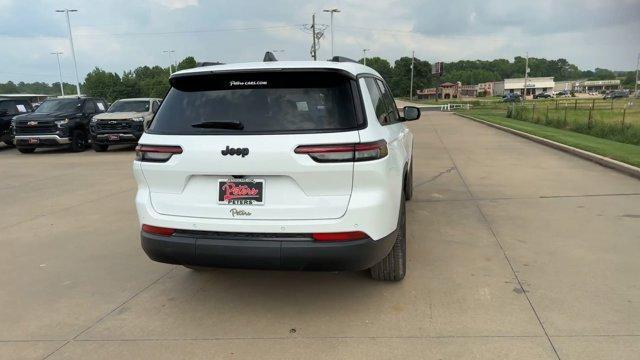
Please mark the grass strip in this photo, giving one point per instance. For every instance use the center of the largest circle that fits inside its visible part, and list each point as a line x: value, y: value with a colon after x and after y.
x: 626, y: 153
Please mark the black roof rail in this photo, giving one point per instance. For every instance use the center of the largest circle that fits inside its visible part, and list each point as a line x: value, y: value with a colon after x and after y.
x: 208, y: 63
x: 268, y: 56
x: 342, y: 59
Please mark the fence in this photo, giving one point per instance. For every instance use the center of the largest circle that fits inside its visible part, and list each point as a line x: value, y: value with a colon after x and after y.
x: 617, y: 120
x: 450, y: 107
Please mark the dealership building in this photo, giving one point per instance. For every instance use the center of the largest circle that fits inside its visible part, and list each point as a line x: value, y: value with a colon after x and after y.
x: 535, y: 85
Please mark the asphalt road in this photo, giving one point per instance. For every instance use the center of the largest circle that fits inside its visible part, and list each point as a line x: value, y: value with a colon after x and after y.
x: 516, y: 251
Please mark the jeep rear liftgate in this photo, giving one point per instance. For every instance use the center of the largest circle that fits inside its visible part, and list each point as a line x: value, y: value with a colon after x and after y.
x: 234, y: 139
x: 195, y: 182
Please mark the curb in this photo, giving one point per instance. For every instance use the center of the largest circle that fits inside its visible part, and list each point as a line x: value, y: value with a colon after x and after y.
x: 598, y: 159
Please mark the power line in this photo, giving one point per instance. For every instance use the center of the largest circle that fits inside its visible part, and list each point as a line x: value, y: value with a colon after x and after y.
x: 185, y: 32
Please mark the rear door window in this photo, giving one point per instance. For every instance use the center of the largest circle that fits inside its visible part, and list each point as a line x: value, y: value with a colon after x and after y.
x: 377, y: 100
x: 391, y: 110
x: 259, y: 102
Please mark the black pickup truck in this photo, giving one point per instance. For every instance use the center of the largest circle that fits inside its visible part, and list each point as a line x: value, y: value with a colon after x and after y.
x: 8, y: 109
x: 57, y: 122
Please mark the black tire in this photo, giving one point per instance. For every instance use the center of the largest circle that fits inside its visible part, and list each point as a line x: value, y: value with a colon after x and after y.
x: 393, y: 267
x: 408, y: 183
x: 26, y: 150
x: 78, y: 141
x: 100, y: 147
x: 9, y: 143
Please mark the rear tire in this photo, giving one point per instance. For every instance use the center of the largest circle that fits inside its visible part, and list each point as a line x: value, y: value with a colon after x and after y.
x: 9, y: 143
x: 408, y: 186
x: 25, y: 150
x: 394, y: 266
x: 100, y: 147
x: 78, y: 141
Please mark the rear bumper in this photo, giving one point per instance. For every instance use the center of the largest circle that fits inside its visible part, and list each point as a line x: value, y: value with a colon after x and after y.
x: 224, y: 251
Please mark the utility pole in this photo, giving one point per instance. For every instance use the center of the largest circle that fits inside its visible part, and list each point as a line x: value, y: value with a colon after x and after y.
x: 332, y: 11
x: 73, y: 51
x: 413, y: 56
x: 314, y: 55
x: 364, y: 56
x: 170, y: 52
x: 637, y: 66
x: 57, y: 54
x: 526, y: 76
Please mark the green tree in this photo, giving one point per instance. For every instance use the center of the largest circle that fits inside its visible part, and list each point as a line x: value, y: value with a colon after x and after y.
x: 380, y: 65
x: 102, y: 84
x: 187, y: 63
x: 603, y: 74
x: 401, y: 76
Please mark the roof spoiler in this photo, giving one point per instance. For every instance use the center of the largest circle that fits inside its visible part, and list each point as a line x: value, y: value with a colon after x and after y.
x: 342, y: 59
x: 208, y: 63
x: 268, y: 56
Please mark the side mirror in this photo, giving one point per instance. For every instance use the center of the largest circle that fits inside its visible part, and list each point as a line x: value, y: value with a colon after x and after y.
x: 410, y: 113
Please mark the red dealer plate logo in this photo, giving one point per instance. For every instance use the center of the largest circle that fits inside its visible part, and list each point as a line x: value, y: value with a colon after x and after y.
x: 241, y: 191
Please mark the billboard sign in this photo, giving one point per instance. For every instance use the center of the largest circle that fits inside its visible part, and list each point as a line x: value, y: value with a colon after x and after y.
x: 437, y: 68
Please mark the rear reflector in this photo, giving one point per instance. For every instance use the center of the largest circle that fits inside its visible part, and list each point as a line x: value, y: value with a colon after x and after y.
x: 156, y: 230
x: 339, y: 236
x: 345, y: 152
x: 156, y: 153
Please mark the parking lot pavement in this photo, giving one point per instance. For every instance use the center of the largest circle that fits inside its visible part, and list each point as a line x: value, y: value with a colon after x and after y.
x: 516, y: 251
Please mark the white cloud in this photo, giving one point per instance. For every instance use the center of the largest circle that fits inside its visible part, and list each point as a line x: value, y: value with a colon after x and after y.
x: 178, y: 4
x: 119, y: 35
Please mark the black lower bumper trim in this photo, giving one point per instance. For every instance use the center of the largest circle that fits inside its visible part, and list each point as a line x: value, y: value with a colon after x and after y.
x: 266, y: 254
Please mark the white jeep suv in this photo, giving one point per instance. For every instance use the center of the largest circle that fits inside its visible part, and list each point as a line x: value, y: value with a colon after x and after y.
x: 283, y: 165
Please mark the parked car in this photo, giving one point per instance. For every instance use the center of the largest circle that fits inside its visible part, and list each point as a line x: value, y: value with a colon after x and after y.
x: 563, y: 94
x: 8, y: 109
x: 123, y: 123
x: 616, y: 94
x: 542, y: 95
x: 62, y: 121
x: 511, y: 97
x: 287, y: 165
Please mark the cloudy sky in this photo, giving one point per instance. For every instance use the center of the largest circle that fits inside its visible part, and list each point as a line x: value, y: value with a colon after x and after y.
x: 118, y: 35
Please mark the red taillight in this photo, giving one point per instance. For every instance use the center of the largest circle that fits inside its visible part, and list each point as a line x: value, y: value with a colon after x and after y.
x: 156, y: 153
x: 157, y: 230
x: 339, y: 236
x: 345, y: 152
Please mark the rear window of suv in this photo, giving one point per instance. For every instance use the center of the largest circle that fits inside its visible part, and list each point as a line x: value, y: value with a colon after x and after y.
x: 258, y: 102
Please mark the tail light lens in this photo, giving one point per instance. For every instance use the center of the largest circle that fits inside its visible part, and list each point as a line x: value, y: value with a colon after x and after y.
x: 156, y: 153
x: 345, y: 152
x: 339, y: 236
x: 157, y: 230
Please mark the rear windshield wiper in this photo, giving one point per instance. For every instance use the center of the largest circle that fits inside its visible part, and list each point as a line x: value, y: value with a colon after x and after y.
x: 235, y: 125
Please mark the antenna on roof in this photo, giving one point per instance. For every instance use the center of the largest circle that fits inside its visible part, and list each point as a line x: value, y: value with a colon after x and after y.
x: 268, y: 56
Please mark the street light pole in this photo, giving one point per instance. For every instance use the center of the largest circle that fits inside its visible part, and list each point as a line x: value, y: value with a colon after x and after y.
x: 170, y: 52
x: 332, y: 11
x: 526, y: 76
x: 57, y: 54
x: 635, y: 90
x: 364, y: 56
x: 73, y: 51
x: 413, y: 57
